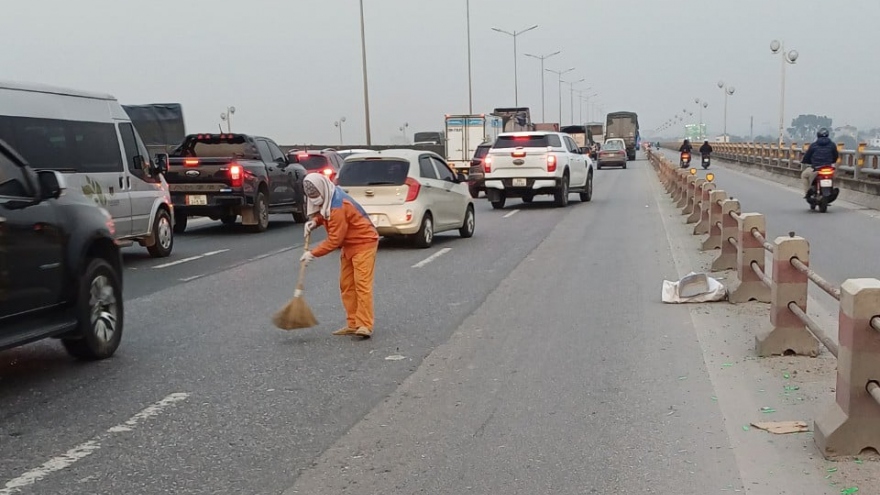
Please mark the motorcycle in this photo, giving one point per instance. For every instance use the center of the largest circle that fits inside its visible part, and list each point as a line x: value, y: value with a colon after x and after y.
x: 823, y: 192
x: 685, y: 159
x: 706, y: 161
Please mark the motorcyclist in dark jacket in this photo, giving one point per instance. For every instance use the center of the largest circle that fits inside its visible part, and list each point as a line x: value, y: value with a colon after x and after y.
x: 821, y: 153
x: 685, y: 146
x: 706, y: 148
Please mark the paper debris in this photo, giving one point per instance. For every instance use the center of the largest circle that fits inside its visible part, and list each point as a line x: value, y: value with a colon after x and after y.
x: 783, y: 427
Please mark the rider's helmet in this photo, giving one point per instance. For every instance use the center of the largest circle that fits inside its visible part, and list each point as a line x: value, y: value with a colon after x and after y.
x: 823, y: 133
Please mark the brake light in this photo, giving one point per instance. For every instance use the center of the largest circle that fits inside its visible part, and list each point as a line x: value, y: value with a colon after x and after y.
x: 487, y: 164
x: 328, y: 172
x: 414, y: 187
x: 826, y: 171
x: 236, y: 175
x: 551, y: 163
x: 520, y: 138
x: 191, y: 162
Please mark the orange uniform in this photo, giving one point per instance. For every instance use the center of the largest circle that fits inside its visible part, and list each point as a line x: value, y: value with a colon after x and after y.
x: 349, y: 228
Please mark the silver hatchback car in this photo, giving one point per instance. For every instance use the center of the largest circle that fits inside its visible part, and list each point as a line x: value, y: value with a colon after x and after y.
x: 409, y: 193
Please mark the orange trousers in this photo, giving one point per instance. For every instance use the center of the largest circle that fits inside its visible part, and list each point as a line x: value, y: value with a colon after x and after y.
x: 356, y: 287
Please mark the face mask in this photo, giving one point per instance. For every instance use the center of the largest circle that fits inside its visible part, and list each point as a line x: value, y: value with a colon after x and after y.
x: 319, y: 201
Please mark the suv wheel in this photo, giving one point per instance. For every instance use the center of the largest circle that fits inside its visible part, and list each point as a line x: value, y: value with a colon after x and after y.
x: 163, y: 237
x: 499, y: 205
x: 475, y: 192
x: 261, y: 212
x: 425, y: 235
x: 470, y: 223
x: 300, y: 216
x: 229, y: 219
x: 587, y: 195
x: 179, y: 223
x: 99, y: 312
x: 560, y: 196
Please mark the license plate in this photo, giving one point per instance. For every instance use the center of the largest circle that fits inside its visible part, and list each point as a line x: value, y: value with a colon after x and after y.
x: 825, y: 183
x: 197, y: 200
x: 519, y: 183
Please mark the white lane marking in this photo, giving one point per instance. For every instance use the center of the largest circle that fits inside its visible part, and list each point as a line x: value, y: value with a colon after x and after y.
x: 514, y: 212
x: 428, y: 260
x: 85, y: 449
x: 191, y: 258
x: 190, y: 279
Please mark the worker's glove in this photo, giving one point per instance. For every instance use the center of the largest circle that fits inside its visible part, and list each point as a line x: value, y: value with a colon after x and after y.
x: 307, y: 257
x: 309, y: 227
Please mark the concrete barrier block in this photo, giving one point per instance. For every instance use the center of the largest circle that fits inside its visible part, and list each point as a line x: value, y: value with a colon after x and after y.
x: 787, y: 333
x: 727, y: 258
x: 714, y: 239
x: 702, y: 226
x: 852, y: 424
x: 751, y: 286
x: 693, y: 207
x: 688, y: 188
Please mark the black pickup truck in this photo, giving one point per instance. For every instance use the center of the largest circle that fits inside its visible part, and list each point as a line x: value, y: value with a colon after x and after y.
x: 222, y: 176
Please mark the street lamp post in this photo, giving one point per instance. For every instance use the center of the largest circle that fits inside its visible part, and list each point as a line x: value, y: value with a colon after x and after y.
x: 560, y: 73
x: 364, y: 64
x: 403, y: 129
x: 790, y: 57
x: 728, y: 91
x: 514, y: 35
x: 701, y: 105
x: 571, y: 99
x: 587, y: 98
x: 227, y: 117
x: 470, y: 83
x: 338, y: 124
x: 542, y: 58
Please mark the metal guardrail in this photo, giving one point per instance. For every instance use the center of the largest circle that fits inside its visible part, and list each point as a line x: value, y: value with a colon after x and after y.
x: 744, y: 248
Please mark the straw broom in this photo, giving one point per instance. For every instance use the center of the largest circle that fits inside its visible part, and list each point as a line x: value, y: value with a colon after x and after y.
x: 296, y: 314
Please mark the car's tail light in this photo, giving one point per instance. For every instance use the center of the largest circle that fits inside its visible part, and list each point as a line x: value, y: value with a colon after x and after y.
x: 487, y: 164
x: 518, y: 154
x: 236, y: 175
x: 551, y: 163
x: 191, y: 162
x: 328, y: 172
x: 413, y: 189
x: 826, y: 171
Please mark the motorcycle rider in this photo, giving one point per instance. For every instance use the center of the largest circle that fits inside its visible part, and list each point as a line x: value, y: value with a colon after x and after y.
x: 821, y: 153
x: 685, y: 146
x: 706, y: 148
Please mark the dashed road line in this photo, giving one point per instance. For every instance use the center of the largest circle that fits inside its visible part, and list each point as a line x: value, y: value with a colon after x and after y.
x: 512, y: 213
x: 428, y: 260
x: 191, y: 258
x: 86, y: 449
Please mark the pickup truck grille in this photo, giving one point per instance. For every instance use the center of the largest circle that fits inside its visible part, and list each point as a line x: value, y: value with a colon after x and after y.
x: 197, y: 187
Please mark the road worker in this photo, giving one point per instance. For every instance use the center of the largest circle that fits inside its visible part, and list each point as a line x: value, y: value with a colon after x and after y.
x: 349, y: 229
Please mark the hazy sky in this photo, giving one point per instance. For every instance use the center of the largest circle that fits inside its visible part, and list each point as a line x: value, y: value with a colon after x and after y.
x: 291, y: 68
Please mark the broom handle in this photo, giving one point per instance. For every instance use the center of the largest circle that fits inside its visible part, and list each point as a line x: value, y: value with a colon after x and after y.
x: 302, y: 266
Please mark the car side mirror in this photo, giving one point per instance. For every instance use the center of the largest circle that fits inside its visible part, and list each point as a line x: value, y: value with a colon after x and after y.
x: 52, y: 184
x: 461, y: 177
x: 161, y: 163
x: 282, y: 162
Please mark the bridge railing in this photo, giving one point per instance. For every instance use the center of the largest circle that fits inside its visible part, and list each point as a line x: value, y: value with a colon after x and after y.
x: 859, y: 164
x: 853, y: 423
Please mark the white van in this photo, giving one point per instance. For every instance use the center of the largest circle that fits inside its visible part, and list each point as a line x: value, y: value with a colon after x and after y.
x: 90, y: 138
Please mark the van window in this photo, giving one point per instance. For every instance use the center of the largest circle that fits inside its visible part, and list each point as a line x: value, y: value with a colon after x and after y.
x: 12, y: 182
x: 87, y: 147
x: 129, y: 143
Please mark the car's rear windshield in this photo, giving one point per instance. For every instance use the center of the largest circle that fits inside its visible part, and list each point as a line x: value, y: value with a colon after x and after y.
x: 313, y: 162
x: 528, y: 141
x: 613, y: 146
x: 375, y: 172
x: 213, y: 146
x: 481, y: 151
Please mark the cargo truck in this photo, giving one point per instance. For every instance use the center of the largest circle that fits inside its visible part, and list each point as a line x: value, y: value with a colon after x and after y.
x: 624, y: 125
x: 579, y: 134
x: 464, y: 133
x: 515, y: 119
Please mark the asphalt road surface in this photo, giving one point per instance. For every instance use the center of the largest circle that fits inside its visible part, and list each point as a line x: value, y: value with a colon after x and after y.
x: 535, y: 357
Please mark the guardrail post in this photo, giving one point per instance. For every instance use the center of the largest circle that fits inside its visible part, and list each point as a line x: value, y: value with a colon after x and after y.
x: 702, y: 227
x: 853, y: 422
x: 751, y: 250
x: 714, y: 240
x: 860, y: 160
x: 693, y: 207
x: 689, y: 191
x: 787, y: 333
x: 727, y: 259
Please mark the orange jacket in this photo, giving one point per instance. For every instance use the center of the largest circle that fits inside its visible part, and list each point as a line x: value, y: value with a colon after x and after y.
x: 349, y: 227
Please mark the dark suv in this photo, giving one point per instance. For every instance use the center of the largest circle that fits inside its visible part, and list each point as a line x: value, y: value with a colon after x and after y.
x: 327, y: 162
x: 60, y: 270
x: 476, y: 183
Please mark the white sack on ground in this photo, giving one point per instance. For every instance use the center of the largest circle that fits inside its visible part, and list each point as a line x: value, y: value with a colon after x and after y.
x: 694, y: 288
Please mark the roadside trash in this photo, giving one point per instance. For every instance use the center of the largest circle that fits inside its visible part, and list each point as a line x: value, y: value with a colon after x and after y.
x: 849, y: 491
x: 768, y: 410
x: 395, y: 357
x: 694, y: 288
x: 783, y: 427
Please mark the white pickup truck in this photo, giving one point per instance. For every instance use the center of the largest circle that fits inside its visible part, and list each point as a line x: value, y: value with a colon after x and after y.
x: 528, y: 164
